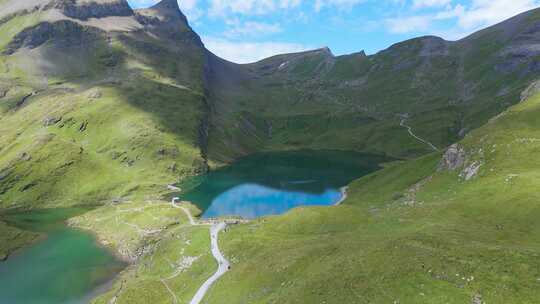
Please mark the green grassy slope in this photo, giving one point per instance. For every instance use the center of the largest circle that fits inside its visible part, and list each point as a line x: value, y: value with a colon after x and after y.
x: 319, y: 101
x: 114, y: 116
x: 409, y: 233
x: 90, y: 116
x: 173, y: 258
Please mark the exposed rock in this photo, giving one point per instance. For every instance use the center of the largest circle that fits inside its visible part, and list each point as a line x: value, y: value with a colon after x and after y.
x: 471, y: 171
x: 28, y: 186
x: 128, y: 161
x: 434, y: 46
x: 517, y: 56
x: 171, y: 152
x: 83, y: 126
x: 173, y: 167
x: 25, y: 157
x: 463, y: 131
x: 116, y: 155
x: 201, y: 166
x: 69, y: 32
x: 21, y: 102
x: 94, y: 94
x: 477, y: 299
x: 531, y: 90
x: 167, y: 20
x: 86, y: 9
x: 453, y: 159
x: 50, y: 121
x: 68, y: 122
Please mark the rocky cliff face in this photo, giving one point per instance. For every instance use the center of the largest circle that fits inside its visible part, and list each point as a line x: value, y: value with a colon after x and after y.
x: 70, y: 33
x: 76, y: 9
x: 166, y: 20
x: 86, y: 9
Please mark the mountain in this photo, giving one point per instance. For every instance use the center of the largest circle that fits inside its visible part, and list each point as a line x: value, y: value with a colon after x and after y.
x: 101, y: 104
x: 78, y: 68
x: 356, y: 102
x: 453, y: 227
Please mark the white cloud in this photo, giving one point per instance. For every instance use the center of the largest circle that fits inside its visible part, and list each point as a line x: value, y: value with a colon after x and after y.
x: 430, y: 3
x: 408, y: 24
x: 251, y: 28
x: 247, y: 52
x: 340, y: 4
x: 191, y: 9
x: 489, y: 12
x: 249, y: 7
x: 478, y: 14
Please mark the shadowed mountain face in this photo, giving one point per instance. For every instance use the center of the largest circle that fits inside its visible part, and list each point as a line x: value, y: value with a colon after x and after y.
x: 111, y: 102
x: 357, y: 102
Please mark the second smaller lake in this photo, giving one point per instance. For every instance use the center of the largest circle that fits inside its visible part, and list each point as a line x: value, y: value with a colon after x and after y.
x: 273, y: 183
x: 66, y: 267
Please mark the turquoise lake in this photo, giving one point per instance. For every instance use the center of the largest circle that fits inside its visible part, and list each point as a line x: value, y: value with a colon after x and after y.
x: 273, y: 183
x: 66, y: 267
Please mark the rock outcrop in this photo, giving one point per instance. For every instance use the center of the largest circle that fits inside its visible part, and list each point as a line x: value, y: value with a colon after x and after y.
x: 167, y: 21
x: 70, y: 32
x: 86, y: 9
x: 453, y: 159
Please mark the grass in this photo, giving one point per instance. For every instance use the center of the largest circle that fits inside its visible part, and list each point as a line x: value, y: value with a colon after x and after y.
x: 354, y: 101
x: 129, y: 112
x: 407, y: 234
x: 122, y: 150
x: 119, y: 124
x: 165, y: 250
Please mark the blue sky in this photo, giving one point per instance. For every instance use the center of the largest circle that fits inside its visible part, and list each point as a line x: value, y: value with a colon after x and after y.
x: 249, y: 30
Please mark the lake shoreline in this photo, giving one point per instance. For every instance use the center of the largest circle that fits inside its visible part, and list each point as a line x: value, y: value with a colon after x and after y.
x: 52, y: 235
x: 344, y: 195
x: 103, y: 243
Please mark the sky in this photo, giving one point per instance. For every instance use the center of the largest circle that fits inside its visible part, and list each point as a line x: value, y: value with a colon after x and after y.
x: 245, y: 31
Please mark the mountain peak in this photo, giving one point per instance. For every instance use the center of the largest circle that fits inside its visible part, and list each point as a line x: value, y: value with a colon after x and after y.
x: 166, y: 11
x: 169, y: 9
x: 171, y: 5
x: 326, y: 50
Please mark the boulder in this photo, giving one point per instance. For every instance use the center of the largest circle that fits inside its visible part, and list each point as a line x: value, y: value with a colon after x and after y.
x: 453, y: 159
x: 50, y: 121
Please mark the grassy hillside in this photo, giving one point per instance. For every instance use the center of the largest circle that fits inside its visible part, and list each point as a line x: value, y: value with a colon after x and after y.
x: 355, y: 102
x: 93, y: 116
x: 113, y: 116
x: 173, y: 257
x: 413, y: 232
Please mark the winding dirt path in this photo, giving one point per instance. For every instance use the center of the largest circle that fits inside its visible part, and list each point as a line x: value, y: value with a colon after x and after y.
x: 223, y: 263
x: 409, y: 128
